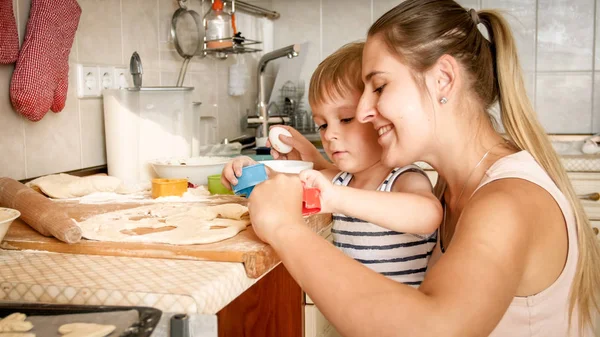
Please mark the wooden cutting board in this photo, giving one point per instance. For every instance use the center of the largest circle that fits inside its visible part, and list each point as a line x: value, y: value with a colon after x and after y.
x: 245, y: 247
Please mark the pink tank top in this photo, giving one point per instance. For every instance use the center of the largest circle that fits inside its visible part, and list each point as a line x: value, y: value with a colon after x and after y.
x: 545, y: 314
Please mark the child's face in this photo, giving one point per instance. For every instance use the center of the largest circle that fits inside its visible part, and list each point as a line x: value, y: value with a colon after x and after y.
x: 352, y: 146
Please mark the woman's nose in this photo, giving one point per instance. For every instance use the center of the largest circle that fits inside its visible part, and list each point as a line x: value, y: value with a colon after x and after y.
x: 365, y: 111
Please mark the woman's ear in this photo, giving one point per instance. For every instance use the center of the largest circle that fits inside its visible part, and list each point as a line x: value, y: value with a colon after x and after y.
x: 445, y: 75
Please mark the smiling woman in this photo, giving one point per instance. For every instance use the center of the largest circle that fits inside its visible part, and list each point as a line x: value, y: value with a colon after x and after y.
x: 516, y: 253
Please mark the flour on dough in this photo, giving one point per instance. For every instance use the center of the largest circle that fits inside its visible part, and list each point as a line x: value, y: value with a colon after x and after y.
x: 194, y: 224
x: 64, y: 186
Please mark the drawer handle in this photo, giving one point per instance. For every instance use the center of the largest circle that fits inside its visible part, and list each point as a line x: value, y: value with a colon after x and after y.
x: 596, y: 230
x: 590, y: 196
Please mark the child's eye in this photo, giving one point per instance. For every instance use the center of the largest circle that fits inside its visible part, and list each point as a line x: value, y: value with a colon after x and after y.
x: 379, y: 90
x: 321, y: 127
x: 347, y: 120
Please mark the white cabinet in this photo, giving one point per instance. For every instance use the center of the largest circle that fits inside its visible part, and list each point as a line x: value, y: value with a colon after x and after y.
x: 315, y: 324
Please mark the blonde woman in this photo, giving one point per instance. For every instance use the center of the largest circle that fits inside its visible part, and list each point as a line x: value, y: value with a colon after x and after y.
x: 516, y: 255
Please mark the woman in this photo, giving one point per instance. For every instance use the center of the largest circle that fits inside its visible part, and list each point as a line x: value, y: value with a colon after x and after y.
x: 516, y: 255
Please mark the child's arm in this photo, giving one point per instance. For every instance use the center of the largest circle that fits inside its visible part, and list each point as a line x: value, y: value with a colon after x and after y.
x: 410, y: 208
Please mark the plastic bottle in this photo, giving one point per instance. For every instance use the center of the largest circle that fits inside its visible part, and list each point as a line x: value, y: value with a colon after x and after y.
x: 238, y: 77
x: 218, y: 26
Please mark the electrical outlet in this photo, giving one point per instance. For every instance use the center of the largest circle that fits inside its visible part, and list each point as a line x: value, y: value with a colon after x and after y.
x: 107, y: 79
x: 121, y: 78
x: 88, y: 81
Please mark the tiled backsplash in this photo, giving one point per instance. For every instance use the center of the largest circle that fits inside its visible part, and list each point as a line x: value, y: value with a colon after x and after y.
x: 109, y: 32
x: 555, y: 39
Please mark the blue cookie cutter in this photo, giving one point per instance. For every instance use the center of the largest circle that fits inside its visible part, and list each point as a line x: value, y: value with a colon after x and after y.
x: 251, y: 176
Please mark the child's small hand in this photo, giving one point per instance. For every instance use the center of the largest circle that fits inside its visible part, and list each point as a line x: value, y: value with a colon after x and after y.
x: 303, y: 149
x: 233, y: 170
x: 312, y: 178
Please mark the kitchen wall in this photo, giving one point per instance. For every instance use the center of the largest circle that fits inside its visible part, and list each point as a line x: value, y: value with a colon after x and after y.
x: 558, y: 42
x: 109, y: 31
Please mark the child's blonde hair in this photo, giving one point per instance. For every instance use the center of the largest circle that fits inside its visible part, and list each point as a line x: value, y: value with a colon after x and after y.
x: 337, y: 75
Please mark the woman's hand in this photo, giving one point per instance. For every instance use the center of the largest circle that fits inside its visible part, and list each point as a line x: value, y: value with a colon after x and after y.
x: 312, y: 178
x: 233, y: 170
x: 274, y: 204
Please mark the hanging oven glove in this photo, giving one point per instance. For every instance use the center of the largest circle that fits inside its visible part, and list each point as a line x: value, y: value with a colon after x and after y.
x: 40, y: 80
x: 9, y: 38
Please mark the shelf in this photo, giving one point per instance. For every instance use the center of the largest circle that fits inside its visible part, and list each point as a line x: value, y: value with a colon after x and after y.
x: 236, y: 48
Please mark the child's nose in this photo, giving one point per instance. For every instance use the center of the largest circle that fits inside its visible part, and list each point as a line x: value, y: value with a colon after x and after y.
x: 331, y: 133
x: 365, y: 111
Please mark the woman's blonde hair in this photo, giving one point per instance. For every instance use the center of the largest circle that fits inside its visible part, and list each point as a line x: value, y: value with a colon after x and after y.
x: 421, y: 31
x: 337, y: 75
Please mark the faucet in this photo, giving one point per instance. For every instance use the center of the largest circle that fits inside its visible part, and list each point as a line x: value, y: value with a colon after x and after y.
x: 261, y: 121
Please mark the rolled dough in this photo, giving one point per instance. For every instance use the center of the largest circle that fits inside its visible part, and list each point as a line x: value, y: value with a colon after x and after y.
x: 190, y: 224
x: 64, y: 186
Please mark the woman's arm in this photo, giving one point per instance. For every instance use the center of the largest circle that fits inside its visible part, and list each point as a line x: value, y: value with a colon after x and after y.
x: 465, y: 294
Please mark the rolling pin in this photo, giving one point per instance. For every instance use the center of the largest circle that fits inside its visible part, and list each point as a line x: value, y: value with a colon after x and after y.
x: 38, y: 211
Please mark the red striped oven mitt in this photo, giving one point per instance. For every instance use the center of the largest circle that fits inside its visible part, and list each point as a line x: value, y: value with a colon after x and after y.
x: 40, y: 80
x: 9, y: 38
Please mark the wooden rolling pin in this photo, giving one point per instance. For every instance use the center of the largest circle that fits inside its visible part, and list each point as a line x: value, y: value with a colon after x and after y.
x: 38, y: 211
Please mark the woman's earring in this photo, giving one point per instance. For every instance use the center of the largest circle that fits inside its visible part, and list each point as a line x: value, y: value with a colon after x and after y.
x: 444, y: 100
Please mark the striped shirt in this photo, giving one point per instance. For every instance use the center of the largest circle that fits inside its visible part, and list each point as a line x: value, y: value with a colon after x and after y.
x: 402, y: 257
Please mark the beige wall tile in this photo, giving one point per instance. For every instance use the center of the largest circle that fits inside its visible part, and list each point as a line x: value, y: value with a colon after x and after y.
x: 12, y: 141
x: 99, y: 38
x: 564, y: 102
x: 54, y: 143
x: 565, y: 36
x: 93, y: 145
x: 343, y: 24
x: 140, y: 31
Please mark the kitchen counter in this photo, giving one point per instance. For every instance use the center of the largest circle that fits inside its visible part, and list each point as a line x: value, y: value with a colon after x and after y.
x: 216, y: 295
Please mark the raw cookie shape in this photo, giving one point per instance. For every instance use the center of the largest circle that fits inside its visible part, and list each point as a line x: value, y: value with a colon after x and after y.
x: 85, y: 330
x: 15, y: 323
x: 179, y: 224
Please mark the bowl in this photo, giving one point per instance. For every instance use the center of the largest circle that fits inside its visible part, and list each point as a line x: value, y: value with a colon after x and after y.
x: 288, y: 166
x: 7, y: 216
x: 216, y: 187
x: 195, y: 169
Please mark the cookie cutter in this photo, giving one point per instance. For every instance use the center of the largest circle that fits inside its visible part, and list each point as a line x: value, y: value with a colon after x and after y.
x: 311, y: 201
x: 251, y: 176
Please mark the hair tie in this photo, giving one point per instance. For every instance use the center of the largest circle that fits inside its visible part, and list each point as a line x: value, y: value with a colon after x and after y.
x: 474, y: 16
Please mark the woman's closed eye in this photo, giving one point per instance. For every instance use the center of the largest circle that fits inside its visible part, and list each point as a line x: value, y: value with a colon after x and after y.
x: 347, y: 120
x: 321, y: 127
x: 379, y: 89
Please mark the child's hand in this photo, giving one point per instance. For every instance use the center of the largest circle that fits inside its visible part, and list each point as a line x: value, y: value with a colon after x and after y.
x: 233, y: 170
x: 274, y: 204
x: 303, y: 149
x: 312, y: 178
